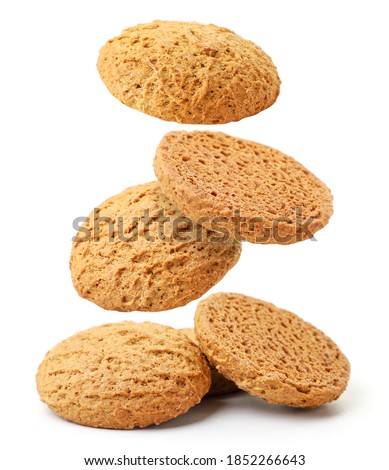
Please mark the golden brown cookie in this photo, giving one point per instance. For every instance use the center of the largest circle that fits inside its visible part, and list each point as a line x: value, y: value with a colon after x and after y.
x: 270, y: 352
x: 252, y: 191
x: 188, y: 72
x: 138, y: 252
x: 123, y: 375
x: 219, y: 384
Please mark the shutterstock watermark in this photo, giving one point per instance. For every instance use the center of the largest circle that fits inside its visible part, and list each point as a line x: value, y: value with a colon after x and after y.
x: 152, y: 226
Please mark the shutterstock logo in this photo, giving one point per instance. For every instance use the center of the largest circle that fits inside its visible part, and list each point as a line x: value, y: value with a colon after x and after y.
x: 152, y: 226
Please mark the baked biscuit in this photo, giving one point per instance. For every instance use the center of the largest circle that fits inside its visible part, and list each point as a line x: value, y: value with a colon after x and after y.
x: 270, y: 352
x: 146, y: 255
x: 188, y: 72
x: 123, y: 375
x: 252, y: 191
x: 219, y: 384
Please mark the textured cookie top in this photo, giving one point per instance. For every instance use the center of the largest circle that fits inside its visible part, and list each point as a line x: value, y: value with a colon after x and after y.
x: 219, y: 384
x: 188, y: 72
x: 270, y: 352
x: 255, y: 192
x: 123, y: 375
x: 146, y: 256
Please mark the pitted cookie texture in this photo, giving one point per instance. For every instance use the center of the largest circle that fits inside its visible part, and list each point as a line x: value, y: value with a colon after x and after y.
x: 270, y: 352
x: 219, y: 384
x: 143, y: 254
x: 188, y: 72
x: 123, y: 375
x: 254, y: 192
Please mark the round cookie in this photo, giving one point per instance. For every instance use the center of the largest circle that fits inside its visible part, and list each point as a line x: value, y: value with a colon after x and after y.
x: 219, y: 384
x: 146, y: 255
x: 270, y: 352
x: 188, y: 72
x: 123, y: 375
x: 254, y: 192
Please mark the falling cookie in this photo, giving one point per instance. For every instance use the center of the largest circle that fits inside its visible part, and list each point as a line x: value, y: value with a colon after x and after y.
x: 188, y: 72
x: 252, y: 192
x: 137, y: 251
x: 123, y: 375
x: 270, y: 352
x: 219, y: 384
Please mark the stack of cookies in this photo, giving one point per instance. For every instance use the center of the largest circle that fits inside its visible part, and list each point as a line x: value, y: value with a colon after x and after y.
x: 162, y: 244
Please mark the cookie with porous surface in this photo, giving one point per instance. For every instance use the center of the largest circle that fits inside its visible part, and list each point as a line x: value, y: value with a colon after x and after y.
x: 137, y: 251
x: 188, y: 72
x: 219, y: 384
x: 123, y: 375
x: 251, y: 191
x: 270, y: 352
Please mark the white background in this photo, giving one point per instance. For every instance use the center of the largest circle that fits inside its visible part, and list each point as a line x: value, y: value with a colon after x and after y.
x: 67, y: 144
